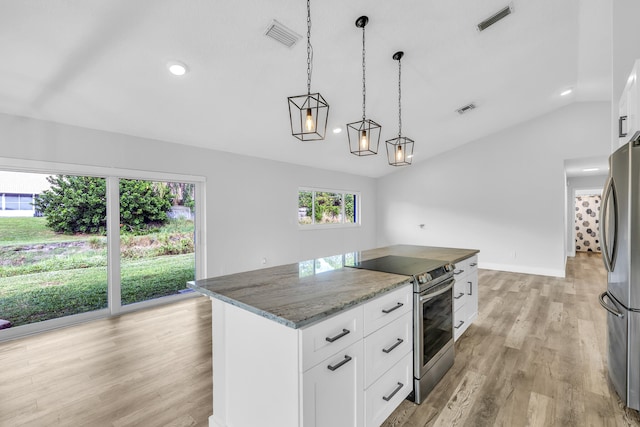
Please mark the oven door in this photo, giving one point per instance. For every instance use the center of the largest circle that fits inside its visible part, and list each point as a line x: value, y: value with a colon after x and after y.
x: 433, y: 325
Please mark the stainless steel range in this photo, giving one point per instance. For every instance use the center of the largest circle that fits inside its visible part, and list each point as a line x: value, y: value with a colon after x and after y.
x: 433, y: 348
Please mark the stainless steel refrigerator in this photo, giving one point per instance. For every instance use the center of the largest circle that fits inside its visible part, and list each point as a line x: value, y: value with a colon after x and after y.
x: 620, y: 238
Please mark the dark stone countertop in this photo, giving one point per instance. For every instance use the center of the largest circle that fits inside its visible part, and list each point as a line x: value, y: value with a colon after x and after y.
x: 300, y: 294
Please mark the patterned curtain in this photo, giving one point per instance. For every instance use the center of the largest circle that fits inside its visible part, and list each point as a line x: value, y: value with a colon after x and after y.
x: 588, y: 223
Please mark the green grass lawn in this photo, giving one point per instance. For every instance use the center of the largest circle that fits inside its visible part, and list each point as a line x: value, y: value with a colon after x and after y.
x: 30, y: 230
x: 45, y: 275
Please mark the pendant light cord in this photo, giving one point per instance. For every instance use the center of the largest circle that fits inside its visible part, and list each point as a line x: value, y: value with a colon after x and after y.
x: 364, y: 86
x: 399, y: 97
x: 309, y: 48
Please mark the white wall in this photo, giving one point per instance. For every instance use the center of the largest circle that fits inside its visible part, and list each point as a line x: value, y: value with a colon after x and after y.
x: 576, y: 186
x: 251, y: 204
x: 503, y: 194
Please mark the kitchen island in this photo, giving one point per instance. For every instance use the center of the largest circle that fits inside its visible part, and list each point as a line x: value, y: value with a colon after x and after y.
x: 298, y: 345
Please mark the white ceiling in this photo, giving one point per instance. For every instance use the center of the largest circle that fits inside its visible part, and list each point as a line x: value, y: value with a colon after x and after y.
x: 101, y: 64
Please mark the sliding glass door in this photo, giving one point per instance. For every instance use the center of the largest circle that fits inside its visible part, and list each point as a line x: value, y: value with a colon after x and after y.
x: 53, y: 260
x: 157, y: 244
x: 76, y: 246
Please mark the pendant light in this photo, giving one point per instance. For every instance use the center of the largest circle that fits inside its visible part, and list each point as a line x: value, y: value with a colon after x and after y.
x: 308, y: 113
x: 400, y: 149
x: 364, y: 135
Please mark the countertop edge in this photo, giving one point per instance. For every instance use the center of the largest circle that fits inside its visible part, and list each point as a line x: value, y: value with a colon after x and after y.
x: 304, y: 322
x: 472, y: 252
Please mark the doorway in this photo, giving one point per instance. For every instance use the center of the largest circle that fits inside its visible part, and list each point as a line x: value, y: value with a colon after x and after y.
x: 587, y: 221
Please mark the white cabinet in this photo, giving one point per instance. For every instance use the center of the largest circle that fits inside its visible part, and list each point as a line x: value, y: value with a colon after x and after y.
x: 465, y: 295
x: 385, y: 347
x: 363, y: 383
x: 388, y: 368
x: 383, y: 396
x: 332, y: 390
x: 351, y: 369
x: 388, y: 307
x: 324, y: 339
x: 628, y: 116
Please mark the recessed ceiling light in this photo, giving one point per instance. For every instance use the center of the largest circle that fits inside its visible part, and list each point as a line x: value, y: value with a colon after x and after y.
x: 590, y: 169
x: 566, y: 92
x: 337, y: 130
x: 177, y: 68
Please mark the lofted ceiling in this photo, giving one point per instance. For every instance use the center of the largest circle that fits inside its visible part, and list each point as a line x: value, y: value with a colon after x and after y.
x: 101, y: 64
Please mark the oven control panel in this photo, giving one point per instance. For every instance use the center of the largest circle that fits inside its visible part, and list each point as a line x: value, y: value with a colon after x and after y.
x: 424, y: 278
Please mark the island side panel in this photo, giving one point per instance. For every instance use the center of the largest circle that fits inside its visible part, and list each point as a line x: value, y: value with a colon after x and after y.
x: 255, y: 369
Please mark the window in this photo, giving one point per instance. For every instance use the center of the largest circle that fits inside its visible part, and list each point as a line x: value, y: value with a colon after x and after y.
x: 18, y: 202
x: 324, y: 207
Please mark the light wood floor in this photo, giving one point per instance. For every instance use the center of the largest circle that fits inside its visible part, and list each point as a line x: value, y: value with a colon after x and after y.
x: 534, y: 357
x: 150, y: 368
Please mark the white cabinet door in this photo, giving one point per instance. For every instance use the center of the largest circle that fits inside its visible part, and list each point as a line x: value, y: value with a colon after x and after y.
x: 385, y: 347
x: 471, y: 285
x: 387, y: 308
x: 465, y: 294
x: 333, y: 390
x: 629, y: 120
x: 384, y: 396
x: 325, y: 338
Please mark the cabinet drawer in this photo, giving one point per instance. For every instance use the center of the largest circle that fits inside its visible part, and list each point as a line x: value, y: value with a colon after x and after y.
x: 329, y: 336
x: 387, y: 308
x: 460, y: 293
x: 385, y: 347
x: 380, y: 400
x: 465, y: 267
x: 332, y: 391
x: 461, y: 320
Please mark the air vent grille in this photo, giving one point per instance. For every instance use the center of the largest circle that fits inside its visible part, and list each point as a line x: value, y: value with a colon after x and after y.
x: 466, y: 108
x: 503, y: 13
x: 282, y: 34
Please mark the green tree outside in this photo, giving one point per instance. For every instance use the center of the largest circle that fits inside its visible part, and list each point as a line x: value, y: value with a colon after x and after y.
x: 77, y: 204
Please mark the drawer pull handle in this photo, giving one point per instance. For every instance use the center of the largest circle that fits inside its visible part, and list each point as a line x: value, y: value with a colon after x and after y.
x: 337, y: 337
x: 458, y: 272
x: 459, y: 295
x: 461, y: 323
x: 387, y: 311
x: 390, y: 349
x: 393, y: 393
x: 345, y: 360
x: 473, y: 265
x: 470, y: 288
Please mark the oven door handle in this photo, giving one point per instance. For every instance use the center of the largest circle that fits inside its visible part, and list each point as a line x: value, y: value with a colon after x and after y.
x: 427, y: 296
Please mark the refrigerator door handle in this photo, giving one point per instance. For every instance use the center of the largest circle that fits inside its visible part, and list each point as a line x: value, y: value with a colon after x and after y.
x: 607, y: 307
x: 609, y: 191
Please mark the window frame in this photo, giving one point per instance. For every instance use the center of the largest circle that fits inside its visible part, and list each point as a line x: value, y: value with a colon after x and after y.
x: 112, y: 176
x: 343, y: 224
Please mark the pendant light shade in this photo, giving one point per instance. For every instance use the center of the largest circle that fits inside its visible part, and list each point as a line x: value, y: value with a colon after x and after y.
x: 308, y: 113
x: 400, y: 149
x: 364, y: 135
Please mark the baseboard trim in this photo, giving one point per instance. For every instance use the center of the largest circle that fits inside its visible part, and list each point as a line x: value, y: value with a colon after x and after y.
x: 523, y: 269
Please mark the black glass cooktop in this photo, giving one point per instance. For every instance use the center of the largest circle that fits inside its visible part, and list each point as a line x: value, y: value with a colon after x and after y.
x: 395, y: 264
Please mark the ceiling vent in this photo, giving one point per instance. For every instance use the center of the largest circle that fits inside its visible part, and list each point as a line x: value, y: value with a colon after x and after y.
x: 282, y: 34
x: 503, y: 13
x: 466, y: 108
